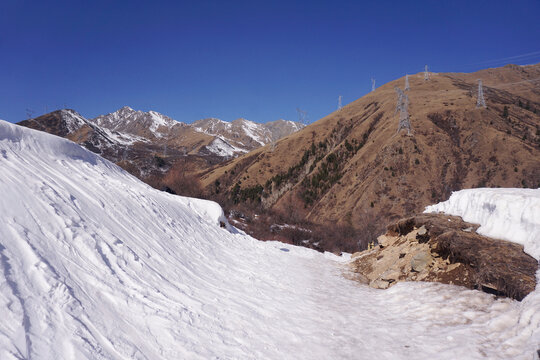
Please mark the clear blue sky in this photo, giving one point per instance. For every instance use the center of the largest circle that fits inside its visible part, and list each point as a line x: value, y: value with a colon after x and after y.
x: 230, y: 59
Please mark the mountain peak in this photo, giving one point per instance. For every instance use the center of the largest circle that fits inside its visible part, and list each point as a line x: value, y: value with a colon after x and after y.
x: 125, y: 108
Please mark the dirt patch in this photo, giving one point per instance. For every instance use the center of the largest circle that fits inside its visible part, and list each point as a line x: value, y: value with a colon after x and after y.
x: 440, y: 248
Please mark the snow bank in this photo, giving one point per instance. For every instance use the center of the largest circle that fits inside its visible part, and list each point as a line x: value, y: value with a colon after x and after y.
x: 508, y: 214
x: 95, y: 264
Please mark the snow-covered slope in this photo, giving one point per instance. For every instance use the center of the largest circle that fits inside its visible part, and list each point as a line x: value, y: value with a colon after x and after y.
x: 95, y: 264
x: 508, y: 214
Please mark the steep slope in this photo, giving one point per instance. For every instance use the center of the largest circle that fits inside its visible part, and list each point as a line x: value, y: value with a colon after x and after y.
x: 95, y: 264
x: 352, y: 167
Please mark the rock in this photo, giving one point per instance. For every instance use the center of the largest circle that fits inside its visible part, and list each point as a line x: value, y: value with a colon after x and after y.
x: 422, y: 235
x: 450, y: 252
x: 421, y: 261
x: 391, y: 275
x: 379, y: 284
x: 384, y: 240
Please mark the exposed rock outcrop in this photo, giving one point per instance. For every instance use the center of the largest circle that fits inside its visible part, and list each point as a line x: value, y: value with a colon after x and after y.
x: 441, y: 248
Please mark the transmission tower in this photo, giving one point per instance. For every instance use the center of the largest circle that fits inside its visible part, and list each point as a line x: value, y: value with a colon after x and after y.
x: 426, y: 73
x: 480, y: 101
x: 372, y: 84
x: 403, y: 108
x: 302, y: 116
x: 30, y: 113
x: 407, y: 87
x: 339, y: 106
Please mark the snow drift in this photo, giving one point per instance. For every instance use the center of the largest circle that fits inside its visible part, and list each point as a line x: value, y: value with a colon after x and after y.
x: 508, y: 214
x: 95, y: 264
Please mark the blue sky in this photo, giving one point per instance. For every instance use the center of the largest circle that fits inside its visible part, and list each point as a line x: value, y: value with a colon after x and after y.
x: 252, y: 59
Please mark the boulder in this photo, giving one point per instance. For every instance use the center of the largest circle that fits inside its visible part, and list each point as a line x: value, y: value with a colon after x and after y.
x: 421, y: 261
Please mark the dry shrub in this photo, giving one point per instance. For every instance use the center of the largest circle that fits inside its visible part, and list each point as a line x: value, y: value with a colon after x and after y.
x: 182, y: 184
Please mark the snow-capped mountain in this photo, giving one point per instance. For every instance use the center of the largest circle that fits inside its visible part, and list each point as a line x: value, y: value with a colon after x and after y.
x: 94, y: 264
x: 70, y: 124
x: 244, y: 134
x: 148, y: 144
x: 229, y: 138
x: 140, y: 123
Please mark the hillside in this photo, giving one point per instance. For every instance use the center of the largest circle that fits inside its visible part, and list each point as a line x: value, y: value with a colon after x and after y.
x: 352, y: 168
x: 150, y: 144
x: 120, y: 270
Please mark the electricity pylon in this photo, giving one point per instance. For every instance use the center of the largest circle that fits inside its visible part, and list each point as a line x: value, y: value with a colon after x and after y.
x: 407, y: 87
x: 339, y: 106
x: 426, y: 73
x: 302, y: 116
x: 403, y: 107
x: 372, y: 84
x: 480, y: 101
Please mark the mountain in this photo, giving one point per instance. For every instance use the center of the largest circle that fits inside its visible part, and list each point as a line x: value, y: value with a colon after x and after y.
x: 95, y: 264
x: 353, y: 168
x: 245, y: 134
x: 149, y: 124
x: 150, y: 144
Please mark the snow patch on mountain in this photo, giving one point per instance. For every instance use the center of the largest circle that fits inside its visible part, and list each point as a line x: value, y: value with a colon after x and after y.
x: 159, y: 120
x: 221, y: 147
x: 211, y: 126
x: 254, y: 131
x: 122, y: 138
x: 135, y: 122
x: 72, y: 119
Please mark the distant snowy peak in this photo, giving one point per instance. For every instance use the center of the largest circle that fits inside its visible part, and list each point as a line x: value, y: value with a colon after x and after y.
x: 222, y: 148
x: 245, y: 134
x: 211, y: 126
x: 72, y: 119
x: 137, y: 122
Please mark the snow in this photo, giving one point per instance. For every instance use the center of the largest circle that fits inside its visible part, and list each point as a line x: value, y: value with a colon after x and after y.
x: 221, y: 147
x: 295, y: 125
x: 123, y: 138
x: 128, y: 119
x: 95, y: 264
x: 74, y: 121
x: 503, y: 213
x: 251, y: 129
x: 159, y: 120
x: 213, y: 126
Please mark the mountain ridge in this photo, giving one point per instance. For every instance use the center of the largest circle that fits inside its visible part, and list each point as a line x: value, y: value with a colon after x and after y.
x: 352, y: 167
x: 149, y: 144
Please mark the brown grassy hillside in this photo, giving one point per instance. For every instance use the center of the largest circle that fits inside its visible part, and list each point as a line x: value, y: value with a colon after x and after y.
x: 351, y: 167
